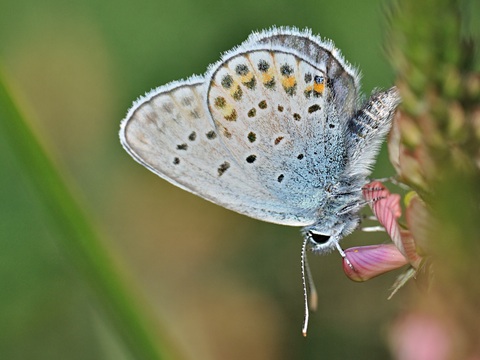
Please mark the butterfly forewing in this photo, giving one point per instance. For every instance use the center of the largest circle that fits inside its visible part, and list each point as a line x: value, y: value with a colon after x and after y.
x: 170, y: 133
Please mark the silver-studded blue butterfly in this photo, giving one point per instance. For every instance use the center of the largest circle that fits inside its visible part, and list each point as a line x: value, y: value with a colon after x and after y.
x: 274, y: 130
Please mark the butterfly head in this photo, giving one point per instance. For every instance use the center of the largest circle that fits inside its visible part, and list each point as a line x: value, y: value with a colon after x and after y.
x: 325, y: 235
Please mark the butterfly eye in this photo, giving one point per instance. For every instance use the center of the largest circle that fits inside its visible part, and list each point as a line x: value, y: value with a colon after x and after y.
x: 319, y: 238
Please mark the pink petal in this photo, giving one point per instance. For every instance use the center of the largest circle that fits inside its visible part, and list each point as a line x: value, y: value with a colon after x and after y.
x: 367, y: 262
x: 420, y: 336
x: 387, y: 210
x: 419, y: 223
x: 410, y: 248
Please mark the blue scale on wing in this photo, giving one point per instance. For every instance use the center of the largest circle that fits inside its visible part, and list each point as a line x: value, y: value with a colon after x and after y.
x: 279, y: 135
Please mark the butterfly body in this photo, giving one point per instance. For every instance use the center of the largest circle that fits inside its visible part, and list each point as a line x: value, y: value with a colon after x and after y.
x: 274, y: 130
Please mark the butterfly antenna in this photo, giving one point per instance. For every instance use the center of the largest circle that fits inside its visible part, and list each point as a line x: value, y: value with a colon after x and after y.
x: 307, y: 278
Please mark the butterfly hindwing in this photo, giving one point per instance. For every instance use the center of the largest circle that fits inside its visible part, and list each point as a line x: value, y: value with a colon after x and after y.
x: 271, y: 107
x: 343, y: 78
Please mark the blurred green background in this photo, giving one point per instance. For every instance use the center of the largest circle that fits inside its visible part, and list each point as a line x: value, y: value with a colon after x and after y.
x: 221, y: 285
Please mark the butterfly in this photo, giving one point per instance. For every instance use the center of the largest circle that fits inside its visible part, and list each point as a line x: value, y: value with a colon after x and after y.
x: 274, y: 130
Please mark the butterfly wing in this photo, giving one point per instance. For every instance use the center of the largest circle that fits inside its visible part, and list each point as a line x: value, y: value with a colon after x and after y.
x: 258, y: 104
x: 367, y: 124
x: 344, y: 79
x: 262, y: 134
x: 170, y: 133
x: 279, y: 115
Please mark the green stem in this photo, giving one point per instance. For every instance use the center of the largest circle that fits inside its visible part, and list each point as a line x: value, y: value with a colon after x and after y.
x: 80, y: 240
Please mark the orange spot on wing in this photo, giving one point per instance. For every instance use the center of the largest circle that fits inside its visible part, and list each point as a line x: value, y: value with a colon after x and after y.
x: 246, y: 78
x: 266, y: 77
x: 318, y: 88
x: 289, y: 82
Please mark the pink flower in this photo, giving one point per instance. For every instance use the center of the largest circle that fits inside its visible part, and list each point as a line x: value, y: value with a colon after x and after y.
x: 367, y: 262
x: 419, y: 336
